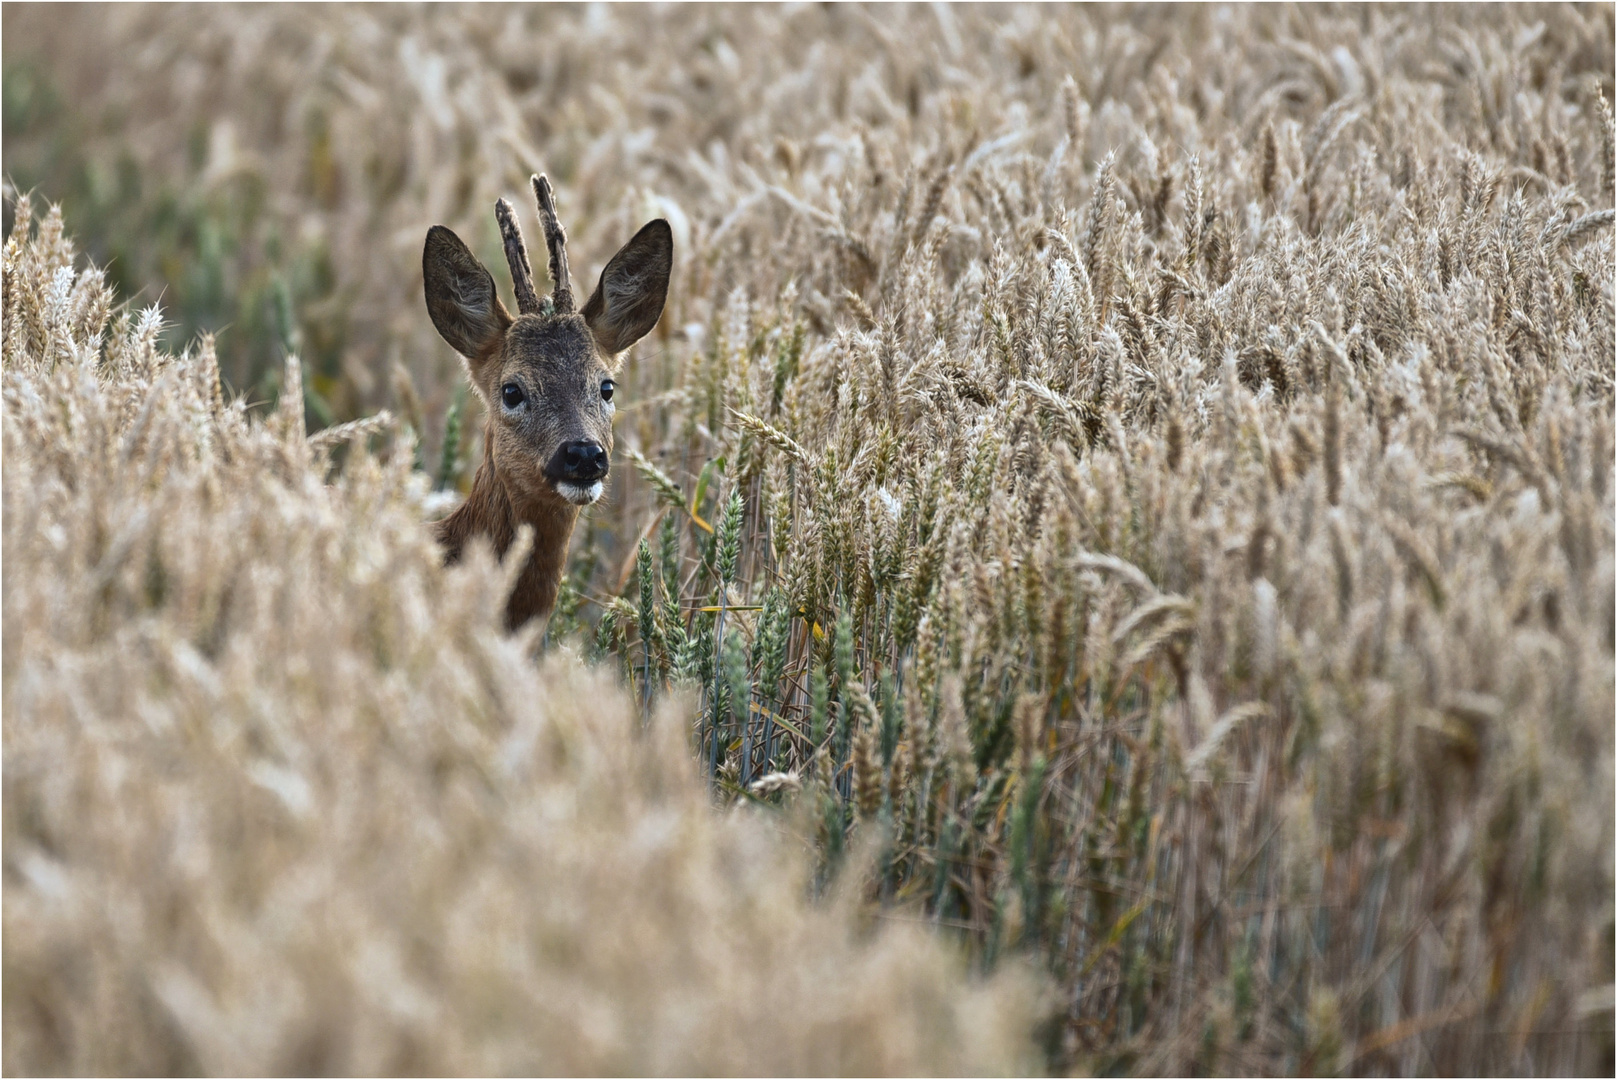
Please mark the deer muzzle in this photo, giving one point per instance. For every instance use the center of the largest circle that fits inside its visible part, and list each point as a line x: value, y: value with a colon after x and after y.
x: 577, y: 469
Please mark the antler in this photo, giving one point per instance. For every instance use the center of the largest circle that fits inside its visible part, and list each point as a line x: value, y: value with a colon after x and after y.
x: 556, y: 241
x: 516, y: 254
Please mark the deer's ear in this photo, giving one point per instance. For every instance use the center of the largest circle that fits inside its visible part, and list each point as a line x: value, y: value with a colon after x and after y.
x: 460, y: 295
x: 628, y: 301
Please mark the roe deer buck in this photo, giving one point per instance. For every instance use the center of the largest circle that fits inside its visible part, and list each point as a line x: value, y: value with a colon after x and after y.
x: 545, y: 378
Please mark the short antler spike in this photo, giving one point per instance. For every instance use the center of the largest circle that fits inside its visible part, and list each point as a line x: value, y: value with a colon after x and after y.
x: 556, y: 241
x: 516, y: 254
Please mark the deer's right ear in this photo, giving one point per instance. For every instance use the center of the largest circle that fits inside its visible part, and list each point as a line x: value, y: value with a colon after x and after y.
x: 629, y: 298
x: 460, y: 295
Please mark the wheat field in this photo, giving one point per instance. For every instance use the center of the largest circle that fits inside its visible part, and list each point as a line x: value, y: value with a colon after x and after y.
x: 1109, y: 565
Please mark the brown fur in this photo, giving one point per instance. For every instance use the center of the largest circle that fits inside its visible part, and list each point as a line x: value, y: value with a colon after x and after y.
x: 491, y: 511
x: 560, y: 363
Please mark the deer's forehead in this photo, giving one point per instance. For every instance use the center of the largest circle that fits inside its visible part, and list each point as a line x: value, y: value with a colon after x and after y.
x: 551, y: 346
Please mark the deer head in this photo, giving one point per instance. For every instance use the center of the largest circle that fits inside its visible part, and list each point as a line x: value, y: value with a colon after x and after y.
x: 546, y: 376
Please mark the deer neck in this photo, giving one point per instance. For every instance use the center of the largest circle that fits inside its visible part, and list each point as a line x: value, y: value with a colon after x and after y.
x: 493, y: 510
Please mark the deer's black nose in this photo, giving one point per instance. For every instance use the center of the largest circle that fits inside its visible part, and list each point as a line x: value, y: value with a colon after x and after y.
x: 584, y: 462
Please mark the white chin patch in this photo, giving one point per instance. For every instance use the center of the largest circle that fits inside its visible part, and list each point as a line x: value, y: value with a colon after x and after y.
x: 579, y: 494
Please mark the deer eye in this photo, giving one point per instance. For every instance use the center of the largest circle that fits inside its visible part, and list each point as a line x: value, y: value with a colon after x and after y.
x: 511, y: 394
x: 606, y: 389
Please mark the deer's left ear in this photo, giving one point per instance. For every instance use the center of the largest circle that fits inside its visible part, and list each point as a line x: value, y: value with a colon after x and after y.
x: 629, y: 298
